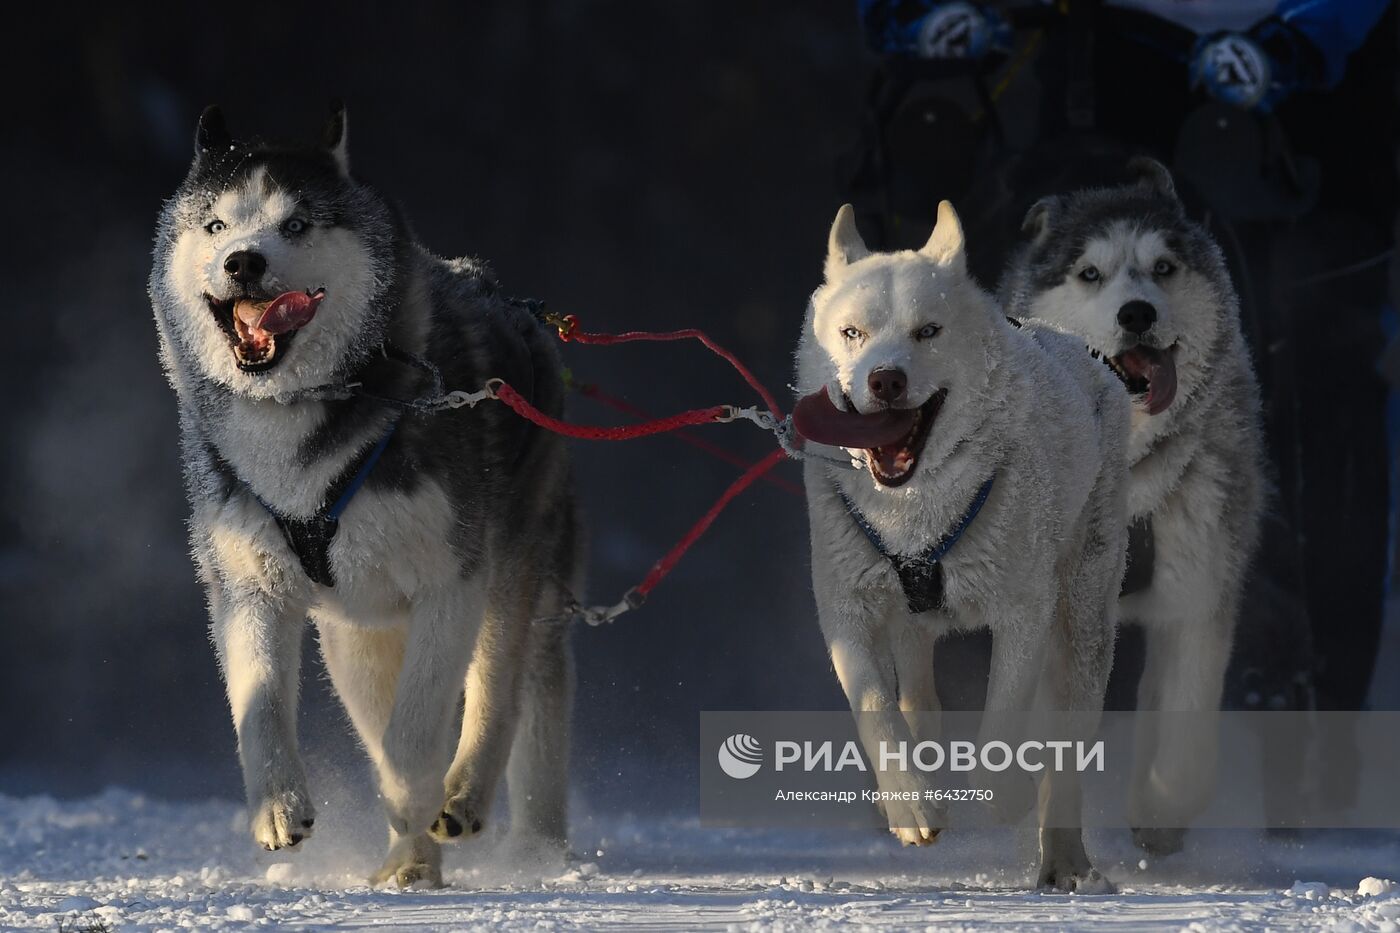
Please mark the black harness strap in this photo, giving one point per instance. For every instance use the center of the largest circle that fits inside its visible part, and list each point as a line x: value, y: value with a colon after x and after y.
x: 1142, y: 555
x: 310, y: 538
x: 920, y: 576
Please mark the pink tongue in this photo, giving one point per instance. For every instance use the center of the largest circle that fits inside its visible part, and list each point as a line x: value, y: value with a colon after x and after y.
x: 1159, y: 369
x: 818, y: 420
x: 290, y: 311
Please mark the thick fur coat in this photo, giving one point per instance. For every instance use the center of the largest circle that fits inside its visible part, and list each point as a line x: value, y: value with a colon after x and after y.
x: 464, y: 529
x: 1126, y: 271
x: 1040, y: 563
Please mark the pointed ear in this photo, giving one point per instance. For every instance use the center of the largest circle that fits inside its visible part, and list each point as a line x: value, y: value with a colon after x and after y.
x: 844, y: 246
x: 211, y: 133
x: 334, y: 136
x: 945, y: 244
x: 1152, y: 175
x: 1036, y: 226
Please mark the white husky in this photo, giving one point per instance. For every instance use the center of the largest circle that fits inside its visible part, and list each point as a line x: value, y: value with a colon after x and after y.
x: 1146, y: 288
x: 1007, y: 443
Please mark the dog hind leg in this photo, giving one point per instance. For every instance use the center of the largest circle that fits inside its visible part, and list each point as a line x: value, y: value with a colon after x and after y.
x: 918, y: 695
x: 443, y: 627
x: 539, y: 759
x: 364, y: 665
x: 1014, y: 671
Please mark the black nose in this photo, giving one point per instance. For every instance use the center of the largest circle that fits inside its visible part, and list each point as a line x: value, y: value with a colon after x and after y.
x: 887, y: 385
x: 1137, y: 317
x: 245, y: 267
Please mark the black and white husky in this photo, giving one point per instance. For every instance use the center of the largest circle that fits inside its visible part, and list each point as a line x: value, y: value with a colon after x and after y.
x: 420, y: 544
x: 1146, y: 288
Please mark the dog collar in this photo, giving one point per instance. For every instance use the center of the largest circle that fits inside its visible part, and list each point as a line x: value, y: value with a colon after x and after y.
x: 920, y: 576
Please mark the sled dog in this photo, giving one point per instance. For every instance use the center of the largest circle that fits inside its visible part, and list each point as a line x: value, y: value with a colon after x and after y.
x: 989, y: 492
x: 1146, y: 288
x: 420, y: 544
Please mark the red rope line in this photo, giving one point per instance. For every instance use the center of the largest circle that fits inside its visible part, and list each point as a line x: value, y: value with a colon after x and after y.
x: 587, y: 432
x: 714, y: 450
x: 673, y: 556
x: 568, y: 330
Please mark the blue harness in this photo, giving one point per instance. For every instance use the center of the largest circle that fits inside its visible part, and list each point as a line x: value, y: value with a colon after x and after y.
x: 310, y: 538
x: 920, y: 576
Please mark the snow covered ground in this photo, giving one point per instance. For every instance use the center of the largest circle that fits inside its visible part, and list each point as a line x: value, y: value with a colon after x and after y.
x: 121, y: 861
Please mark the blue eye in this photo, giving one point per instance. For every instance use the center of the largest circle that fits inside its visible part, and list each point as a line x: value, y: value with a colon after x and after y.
x: 927, y: 331
x: 215, y: 227
x: 851, y: 333
x: 295, y: 226
x: 1163, y: 268
x: 1090, y: 274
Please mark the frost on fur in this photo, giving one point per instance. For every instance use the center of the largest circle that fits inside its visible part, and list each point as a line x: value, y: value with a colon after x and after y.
x: 1145, y: 290
x: 1040, y: 563
x: 276, y: 273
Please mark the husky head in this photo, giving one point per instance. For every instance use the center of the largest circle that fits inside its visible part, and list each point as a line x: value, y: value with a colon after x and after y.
x: 253, y: 221
x: 898, y: 350
x: 1126, y: 270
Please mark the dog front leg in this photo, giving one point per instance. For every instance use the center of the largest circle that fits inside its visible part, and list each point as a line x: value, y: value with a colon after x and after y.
x: 1174, y: 777
x: 258, y: 639
x: 1079, y: 656
x: 865, y: 666
x: 488, y: 719
x: 417, y: 743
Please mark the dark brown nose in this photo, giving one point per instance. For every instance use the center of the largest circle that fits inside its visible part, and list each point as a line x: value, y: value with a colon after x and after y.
x: 887, y: 385
x: 245, y: 267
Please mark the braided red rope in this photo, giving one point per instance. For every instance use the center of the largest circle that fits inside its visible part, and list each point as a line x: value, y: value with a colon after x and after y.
x: 673, y: 556
x: 587, y: 432
x: 714, y: 450
x: 568, y: 330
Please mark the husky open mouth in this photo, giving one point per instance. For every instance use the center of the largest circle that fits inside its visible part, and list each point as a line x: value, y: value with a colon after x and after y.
x: 1146, y: 371
x: 892, y: 439
x: 260, y: 328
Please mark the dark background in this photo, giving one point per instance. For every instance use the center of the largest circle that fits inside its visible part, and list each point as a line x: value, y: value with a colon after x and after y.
x: 640, y: 165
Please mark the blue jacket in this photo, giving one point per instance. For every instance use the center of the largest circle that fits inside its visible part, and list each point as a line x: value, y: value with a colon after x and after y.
x: 1336, y: 28
x: 1333, y: 28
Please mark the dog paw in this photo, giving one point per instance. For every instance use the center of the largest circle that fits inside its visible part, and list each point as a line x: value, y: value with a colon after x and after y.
x: 1160, y: 842
x: 414, y: 862
x: 1076, y: 881
x: 921, y: 836
x: 915, y: 824
x: 457, y: 819
x: 283, y: 819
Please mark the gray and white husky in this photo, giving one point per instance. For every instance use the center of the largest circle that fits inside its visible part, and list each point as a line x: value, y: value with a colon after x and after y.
x: 1146, y: 288
x: 420, y: 544
x: 1007, y: 442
